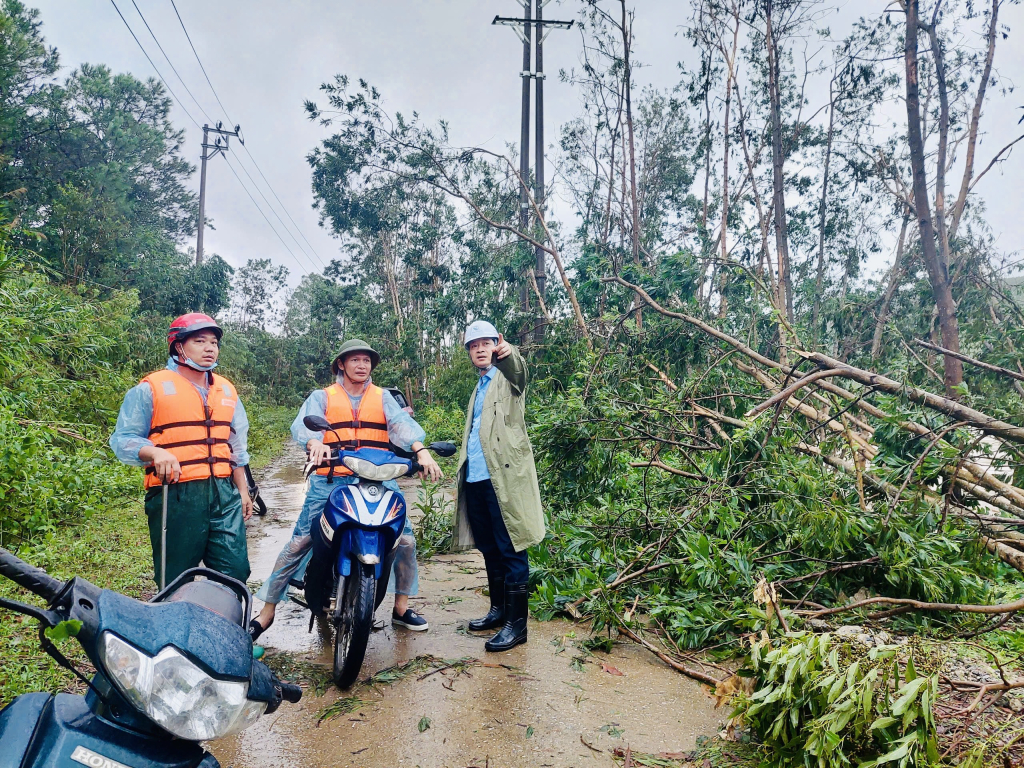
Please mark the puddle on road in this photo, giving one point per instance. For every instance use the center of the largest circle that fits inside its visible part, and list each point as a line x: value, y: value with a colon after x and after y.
x: 543, y: 712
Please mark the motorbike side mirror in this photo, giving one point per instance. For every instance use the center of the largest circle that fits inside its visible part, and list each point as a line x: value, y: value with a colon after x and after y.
x: 443, y: 449
x: 316, y: 423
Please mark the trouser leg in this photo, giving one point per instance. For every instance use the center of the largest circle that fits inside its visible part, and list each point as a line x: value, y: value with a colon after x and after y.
x: 226, y: 548
x: 405, y: 578
x: 482, y: 506
x: 479, y: 515
x: 296, y: 553
x: 515, y: 566
x: 188, y: 522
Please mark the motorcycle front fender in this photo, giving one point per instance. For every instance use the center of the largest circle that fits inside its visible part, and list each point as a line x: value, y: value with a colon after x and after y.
x: 38, y: 729
x: 362, y: 546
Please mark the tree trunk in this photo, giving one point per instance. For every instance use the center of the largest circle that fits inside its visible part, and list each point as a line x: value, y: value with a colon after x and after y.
x: 778, y: 179
x: 938, y: 273
x: 723, y: 274
x: 940, y: 155
x: 972, y: 134
x: 627, y: 36
x: 819, y: 281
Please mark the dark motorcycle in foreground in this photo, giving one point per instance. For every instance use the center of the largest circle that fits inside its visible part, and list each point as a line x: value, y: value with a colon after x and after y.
x: 170, y: 673
x: 355, y: 541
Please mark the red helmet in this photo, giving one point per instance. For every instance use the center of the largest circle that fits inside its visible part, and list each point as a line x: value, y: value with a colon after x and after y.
x: 184, y: 326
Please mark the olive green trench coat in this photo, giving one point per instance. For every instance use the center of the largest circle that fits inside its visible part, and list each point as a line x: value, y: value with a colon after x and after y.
x: 509, y: 458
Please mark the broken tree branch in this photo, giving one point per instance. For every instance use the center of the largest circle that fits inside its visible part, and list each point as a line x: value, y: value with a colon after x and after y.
x: 791, y: 389
x: 694, y: 674
x: 665, y: 467
x: 952, y: 408
x: 970, y: 360
x: 923, y: 606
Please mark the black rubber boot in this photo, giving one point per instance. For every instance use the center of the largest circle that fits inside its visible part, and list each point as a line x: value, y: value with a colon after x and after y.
x: 517, y: 609
x: 496, y: 616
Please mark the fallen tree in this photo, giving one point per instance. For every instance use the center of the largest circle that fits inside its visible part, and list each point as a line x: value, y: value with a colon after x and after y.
x: 664, y: 537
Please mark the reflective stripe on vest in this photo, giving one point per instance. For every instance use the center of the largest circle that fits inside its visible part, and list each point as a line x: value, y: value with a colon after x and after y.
x: 367, y: 428
x: 195, y: 433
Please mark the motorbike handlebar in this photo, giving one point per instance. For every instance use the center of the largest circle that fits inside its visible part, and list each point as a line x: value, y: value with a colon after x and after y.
x: 335, y: 459
x: 290, y: 692
x: 33, y: 579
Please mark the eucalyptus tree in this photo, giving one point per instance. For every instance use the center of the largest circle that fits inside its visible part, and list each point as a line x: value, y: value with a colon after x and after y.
x: 939, y: 65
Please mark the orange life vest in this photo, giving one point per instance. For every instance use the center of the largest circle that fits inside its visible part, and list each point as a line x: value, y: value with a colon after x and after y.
x: 195, y: 433
x: 367, y: 428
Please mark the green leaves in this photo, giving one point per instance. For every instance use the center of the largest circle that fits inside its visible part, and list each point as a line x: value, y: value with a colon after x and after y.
x: 63, y: 631
x: 821, y: 697
x: 423, y: 724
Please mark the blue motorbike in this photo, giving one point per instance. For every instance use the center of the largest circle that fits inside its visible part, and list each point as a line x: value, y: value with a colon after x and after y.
x: 170, y: 674
x: 355, y: 541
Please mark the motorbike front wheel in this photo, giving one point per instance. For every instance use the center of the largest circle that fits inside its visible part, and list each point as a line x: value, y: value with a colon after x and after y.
x: 352, y: 628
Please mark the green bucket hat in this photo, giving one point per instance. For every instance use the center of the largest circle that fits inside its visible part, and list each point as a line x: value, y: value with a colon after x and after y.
x: 350, y: 347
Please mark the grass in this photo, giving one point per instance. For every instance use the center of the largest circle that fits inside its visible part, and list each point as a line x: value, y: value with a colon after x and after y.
x: 269, y: 429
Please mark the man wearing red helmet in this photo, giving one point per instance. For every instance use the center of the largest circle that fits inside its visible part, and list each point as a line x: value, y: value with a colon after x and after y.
x: 188, y: 427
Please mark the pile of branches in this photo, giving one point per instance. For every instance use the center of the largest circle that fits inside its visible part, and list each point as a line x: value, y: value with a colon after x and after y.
x: 855, y: 496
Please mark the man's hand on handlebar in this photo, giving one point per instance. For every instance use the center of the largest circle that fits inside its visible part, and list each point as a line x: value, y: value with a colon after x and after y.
x: 429, y: 465
x: 166, y: 467
x: 318, y: 452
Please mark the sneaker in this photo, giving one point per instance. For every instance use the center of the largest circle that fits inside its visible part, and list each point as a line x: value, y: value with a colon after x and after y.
x: 410, y: 620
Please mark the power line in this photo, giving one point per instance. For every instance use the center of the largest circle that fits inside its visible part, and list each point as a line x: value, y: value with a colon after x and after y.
x: 173, y: 68
x: 247, y: 151
x: 271, y: 207
x: 189, y: 38
x: 286, y: 213
x: 155, y: 68
x: 269, y: 223
x: 196, y: 123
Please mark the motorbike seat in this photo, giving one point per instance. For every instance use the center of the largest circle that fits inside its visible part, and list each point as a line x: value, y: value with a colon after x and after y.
x: 213, y: 596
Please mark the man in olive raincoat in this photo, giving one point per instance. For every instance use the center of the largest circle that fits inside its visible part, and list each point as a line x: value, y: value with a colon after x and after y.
x: 498, y: 504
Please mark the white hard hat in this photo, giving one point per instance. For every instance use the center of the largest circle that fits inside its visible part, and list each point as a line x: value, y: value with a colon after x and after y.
x: 480, y: 329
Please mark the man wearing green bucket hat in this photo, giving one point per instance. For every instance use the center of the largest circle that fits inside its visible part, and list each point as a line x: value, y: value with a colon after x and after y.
x: 379, y: 420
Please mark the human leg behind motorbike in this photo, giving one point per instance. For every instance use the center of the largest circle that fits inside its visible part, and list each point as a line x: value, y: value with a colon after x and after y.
x: 405, y: 583
x: 226, y: 548
x: 294, y: 555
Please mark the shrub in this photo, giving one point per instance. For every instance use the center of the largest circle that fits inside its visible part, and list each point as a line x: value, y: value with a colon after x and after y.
x: 821, y: 701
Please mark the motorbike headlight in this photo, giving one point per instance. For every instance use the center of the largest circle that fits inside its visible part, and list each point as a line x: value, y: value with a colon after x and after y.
x: 376, y: 472
x: 176, y: 694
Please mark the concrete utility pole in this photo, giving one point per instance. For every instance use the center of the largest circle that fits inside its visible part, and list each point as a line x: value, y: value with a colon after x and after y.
x: 219, y: 145
x: 522, y: 28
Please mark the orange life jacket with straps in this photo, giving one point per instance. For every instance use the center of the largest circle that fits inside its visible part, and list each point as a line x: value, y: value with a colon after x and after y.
x: 367, y: 428
x: 196, y: 433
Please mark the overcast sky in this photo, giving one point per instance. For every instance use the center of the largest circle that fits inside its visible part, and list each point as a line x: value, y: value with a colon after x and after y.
x: 441, y: 58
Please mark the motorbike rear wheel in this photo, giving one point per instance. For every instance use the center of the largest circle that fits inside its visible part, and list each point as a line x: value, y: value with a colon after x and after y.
x: 352, y: 629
